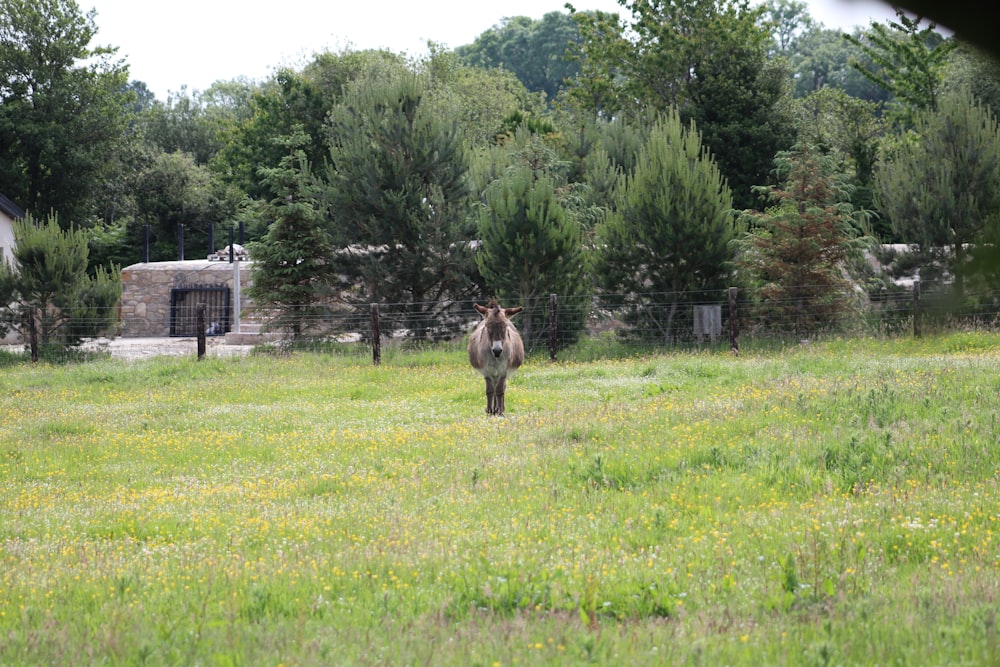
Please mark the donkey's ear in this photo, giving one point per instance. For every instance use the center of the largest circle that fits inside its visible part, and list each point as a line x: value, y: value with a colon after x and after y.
x: 482, y: 309
x: 512, y: 311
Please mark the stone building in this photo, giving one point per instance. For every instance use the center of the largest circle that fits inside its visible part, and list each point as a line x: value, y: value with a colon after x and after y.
x: 162, y: 298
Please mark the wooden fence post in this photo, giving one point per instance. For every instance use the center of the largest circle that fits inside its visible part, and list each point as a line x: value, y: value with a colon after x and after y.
x: 32, y: 334
x: 376, y: 337
x: 553, y: 328
x: 200, y: 326
x: 734, y: 323
x: 916, y: 308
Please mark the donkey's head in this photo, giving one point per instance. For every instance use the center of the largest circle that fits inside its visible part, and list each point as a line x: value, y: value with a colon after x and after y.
x: 497, y: 325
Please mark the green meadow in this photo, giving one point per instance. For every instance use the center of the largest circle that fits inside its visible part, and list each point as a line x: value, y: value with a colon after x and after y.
x: 830, y: 504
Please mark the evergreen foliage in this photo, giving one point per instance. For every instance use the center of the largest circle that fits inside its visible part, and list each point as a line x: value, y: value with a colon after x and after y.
x: 940, y: 185
x: 530, y: 248
x: 382, y: 168
x: 796, y: 252
x: 49, y: 278
x: 740, y: 105
x: 297, y: 101
x: 399, y: 197
x: 981, y: 274
x: 293, y: 268
x: 972, y: 70
x: 670, y: 234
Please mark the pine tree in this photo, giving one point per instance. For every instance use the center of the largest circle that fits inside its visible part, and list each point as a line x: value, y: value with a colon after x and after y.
x: 670, y: 234
x: 399, y: 195
x: 940, y: 187
x: 293, y: 269
x: 49, y: 279
x: 531, y: 248
x: 796, y: 251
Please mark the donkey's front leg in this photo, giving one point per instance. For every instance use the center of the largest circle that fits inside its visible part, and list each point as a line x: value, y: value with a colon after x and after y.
x: 500, y: 391
x: 490, y: 397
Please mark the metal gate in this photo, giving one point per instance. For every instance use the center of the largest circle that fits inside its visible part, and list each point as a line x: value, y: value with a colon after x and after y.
x: 184, y: 303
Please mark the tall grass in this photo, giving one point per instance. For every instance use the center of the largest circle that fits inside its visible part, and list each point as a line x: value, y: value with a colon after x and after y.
x: 835, y: 503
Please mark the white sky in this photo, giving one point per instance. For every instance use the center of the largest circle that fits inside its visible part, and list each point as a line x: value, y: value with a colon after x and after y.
x: 198, y: 42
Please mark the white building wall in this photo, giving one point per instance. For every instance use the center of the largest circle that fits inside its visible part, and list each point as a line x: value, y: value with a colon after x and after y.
x: 6, y: 237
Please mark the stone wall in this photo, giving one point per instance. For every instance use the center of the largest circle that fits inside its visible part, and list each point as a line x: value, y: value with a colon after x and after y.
x: 146, y: 290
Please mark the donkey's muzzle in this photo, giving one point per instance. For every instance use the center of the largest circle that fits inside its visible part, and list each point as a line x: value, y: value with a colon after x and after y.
x: 497, y: 349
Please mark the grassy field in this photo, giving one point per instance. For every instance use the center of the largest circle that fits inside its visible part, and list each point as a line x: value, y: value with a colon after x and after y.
x: 832, y: 504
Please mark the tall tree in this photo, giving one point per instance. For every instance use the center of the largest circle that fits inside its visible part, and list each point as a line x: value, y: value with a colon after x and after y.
x: 822, y: 58
x: 789, y: 21
x: 598, y: 89
x: 670, y: 234
x: 181, y: 125
x: 399, y: 197
x: 708, y: 59
x: 740, y: 105
x: 535, y: 51
x: 940, y: 186
x: 64, y: 107
x: 531, y: 244
x: 293, y: 271
x: 288, y: 101
x: 144, y: 97
x: 971, y: 69
x: 479, y: 99
x: 849, y: 130
x: 296, y: 99
x: 795, y: 252
x: 908, y: 58
x: 171, y: 190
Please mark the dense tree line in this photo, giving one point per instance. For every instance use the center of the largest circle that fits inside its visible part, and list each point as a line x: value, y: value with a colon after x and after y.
x: 673, y: 147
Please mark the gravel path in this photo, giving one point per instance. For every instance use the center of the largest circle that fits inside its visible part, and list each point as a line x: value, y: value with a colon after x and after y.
x: 144, y: 348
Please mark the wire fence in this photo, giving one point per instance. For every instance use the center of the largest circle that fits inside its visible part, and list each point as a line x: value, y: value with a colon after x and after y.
x: 730, y: 318
x: 693, y: 318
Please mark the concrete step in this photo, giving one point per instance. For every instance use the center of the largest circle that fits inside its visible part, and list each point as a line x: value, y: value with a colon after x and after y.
x: 250, y: 337
x: 249, y: 327
x: 250, y: 334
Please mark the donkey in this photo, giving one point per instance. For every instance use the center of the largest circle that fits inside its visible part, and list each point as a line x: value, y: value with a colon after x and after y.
x: 495, y: 350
